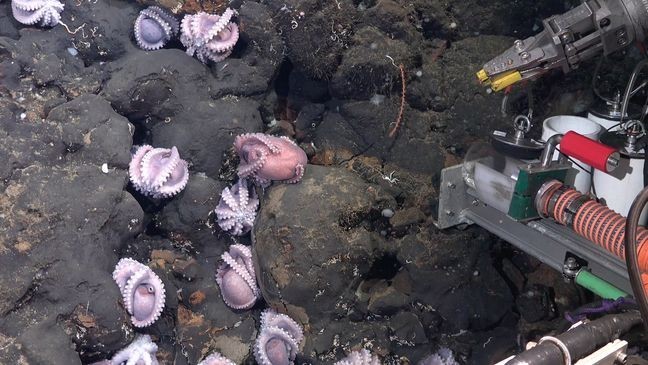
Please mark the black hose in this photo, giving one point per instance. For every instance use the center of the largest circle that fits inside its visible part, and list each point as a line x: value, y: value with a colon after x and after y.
x: 632, y: 260
x: 579, y: 341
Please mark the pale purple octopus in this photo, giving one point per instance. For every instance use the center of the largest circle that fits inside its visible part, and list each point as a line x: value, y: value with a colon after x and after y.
x: 158, y: 172
x: 209, y: 36
x: 236, y: 278
x: 279, y: 339
x: 47, y: 13
x: 237, y: 208
x: 442, y: 357
x: 154, y: 27
x: 216, y: 359
x: 140, y: 352
x: 269, y: 158
x: 361, y: 357
x: 142, y: 291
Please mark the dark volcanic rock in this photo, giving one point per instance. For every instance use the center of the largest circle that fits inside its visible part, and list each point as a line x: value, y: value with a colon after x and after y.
x: 256, y: 57
x: 92, y: 132
x: 366, y: 69
x: 316, y: 33
x: 188, y: 213
x: 204, y: 132
x: 156, y: 85
x: 8, y: 26
x: 61, y: 227
x: 97, y: 36
x: 45, y: 56
x: 362, y: 127
x: 312, y: 261
x: 456, y: 279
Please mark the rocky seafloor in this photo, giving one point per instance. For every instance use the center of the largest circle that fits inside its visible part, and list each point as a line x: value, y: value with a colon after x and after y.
x: 74, y: 101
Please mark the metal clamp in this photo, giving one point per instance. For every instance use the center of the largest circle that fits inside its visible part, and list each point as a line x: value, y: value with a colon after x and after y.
x: 567, y: 360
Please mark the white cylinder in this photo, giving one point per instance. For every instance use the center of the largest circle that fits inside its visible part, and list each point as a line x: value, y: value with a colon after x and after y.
x: 562, y: 124
x: 607, y: 124
x: 619, y: 189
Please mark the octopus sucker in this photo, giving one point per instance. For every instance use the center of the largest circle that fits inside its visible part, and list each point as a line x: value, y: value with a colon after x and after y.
x: 279, y: 339
x: 142, y: 291
x: 236, y: 278
x: 158, y: 172
x: 154, y: 27
x: 266, y: 158
x: 209, y: 36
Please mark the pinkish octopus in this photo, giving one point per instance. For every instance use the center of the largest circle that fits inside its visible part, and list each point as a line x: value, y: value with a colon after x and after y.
x: 236, y: 210
x: 154, y: 27
x: 279, y: 339
x: 158, y: 172
x: 361, y: 357
x: 236, y: 278
x: 140, y: 352
x: 142, y: 291
x: 47, y: 13
x: 268, y: 158
x: 209, y: 36
x: 216, y: 359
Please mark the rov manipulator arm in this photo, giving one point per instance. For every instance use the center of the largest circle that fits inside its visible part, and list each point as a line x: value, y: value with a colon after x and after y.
x: 592, y: 28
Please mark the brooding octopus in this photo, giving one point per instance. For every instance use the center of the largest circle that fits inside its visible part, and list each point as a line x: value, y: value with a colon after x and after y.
x: 142, y: 291
x: 140, y: 352
x: 236, y: 278
x: 209, y: 36
x: 154, y: 27
x: 237, y: 208
x: 216, y: 359
x: 361, y: 357
x: 279, y: 339
x: 269, y: 158
x: 47, y: 13
x: 158, y: 172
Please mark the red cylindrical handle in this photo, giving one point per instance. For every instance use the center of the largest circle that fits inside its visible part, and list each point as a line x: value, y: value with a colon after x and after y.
x: 591, y: 152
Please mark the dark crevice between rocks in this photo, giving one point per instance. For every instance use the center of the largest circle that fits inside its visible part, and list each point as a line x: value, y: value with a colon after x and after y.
x: 384, y: 267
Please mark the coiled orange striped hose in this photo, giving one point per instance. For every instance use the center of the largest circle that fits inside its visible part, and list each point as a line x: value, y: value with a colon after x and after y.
x: 591, y: 220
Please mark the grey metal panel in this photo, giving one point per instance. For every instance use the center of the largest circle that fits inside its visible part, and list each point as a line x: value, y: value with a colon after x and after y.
x: 550, y: 242
x: 452, y: 197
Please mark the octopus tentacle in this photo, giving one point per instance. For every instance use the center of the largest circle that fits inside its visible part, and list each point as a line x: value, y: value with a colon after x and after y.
x: 125, y: 268
x: 270, y: 318
x: 154, y: 27
x: 275, y: 346
x: 144, y: 307
x: 141, y: 351
x: 29, y: 12
x: 237, y: 208
x: 236, y: 278
x: 216, y: 359
x: 158, y: 172
x: 158, y: 165
x: 363, y: 357
x: 134, y: 169
x: 176, y: 181
x: 225, y: 40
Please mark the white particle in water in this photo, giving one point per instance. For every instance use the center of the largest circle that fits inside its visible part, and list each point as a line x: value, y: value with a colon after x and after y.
x: 453, y: 25
x: 419, y: 73
x: 23, y: 115
x: 104, y: 168
x: 73, y: 51
x: 387, y: 213
x: 377, y: 99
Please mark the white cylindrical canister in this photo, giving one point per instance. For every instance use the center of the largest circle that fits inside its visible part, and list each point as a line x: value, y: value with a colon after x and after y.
x: 561, y: 124
x: 619, y: 189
